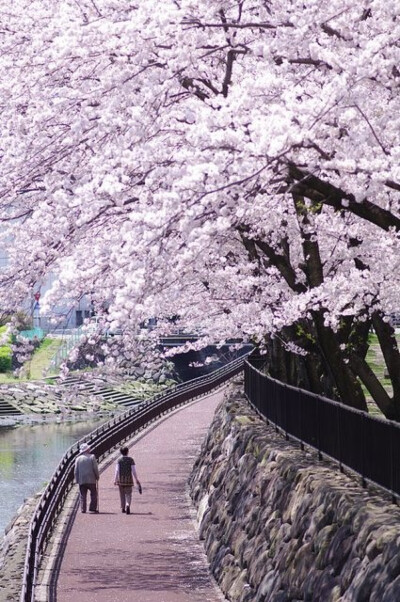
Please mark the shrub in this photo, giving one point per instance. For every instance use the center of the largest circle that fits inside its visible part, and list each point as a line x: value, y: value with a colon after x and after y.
x: 5, y: 354
x: 5, y: 358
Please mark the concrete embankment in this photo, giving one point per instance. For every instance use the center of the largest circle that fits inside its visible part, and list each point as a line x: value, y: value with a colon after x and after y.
x: 279, y: 525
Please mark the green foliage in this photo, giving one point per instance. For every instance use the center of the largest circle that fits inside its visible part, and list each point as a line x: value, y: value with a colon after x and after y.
x: 5, y: 354
x: 301, y: 332
x: 5, y: 358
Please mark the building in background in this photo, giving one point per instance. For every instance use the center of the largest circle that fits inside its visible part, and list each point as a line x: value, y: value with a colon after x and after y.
x: 69, y: 314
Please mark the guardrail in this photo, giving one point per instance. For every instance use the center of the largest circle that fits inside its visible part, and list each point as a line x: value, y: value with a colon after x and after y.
x: 102, y: 441
x: 69, y: 339
x: 368, y: 445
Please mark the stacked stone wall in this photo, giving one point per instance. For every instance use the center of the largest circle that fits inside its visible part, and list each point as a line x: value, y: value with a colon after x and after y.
x: 13, y: 551
x: 43, y: 400
x: 281, y: 526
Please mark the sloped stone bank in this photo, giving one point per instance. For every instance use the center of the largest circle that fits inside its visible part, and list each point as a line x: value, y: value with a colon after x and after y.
x: 279, y: 525
x: 13, y: 551
x: 41, y: 399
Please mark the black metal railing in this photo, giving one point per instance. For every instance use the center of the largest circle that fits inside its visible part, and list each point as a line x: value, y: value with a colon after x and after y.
x: 368, y: 445
x: 103, y: 441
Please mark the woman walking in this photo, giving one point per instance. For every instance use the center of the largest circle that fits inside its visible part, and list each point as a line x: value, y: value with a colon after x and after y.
x: 125, y: 474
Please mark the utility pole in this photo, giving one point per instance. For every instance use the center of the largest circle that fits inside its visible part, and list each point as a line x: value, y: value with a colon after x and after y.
x: 36, y: 310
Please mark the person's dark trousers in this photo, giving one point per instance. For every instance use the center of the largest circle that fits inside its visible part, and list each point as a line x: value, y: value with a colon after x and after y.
x: 83, y: 489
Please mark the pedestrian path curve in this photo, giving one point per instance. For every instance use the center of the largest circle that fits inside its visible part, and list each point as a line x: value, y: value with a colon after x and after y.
x: 153, y: 554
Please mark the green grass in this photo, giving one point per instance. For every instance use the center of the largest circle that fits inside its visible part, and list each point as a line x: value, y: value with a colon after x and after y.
x: 7, y: 378
x: 35, y: 367
x: 42, y: 357
x: 377, y: 364
x: 45, y: 344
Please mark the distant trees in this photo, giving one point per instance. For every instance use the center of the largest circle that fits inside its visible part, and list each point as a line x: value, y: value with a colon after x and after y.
x: 233, y: 163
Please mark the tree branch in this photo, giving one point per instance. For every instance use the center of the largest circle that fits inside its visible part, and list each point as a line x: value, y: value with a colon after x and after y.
x: 317, y: 190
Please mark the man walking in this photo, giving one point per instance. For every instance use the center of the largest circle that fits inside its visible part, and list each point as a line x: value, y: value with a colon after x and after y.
x: 87, y: 475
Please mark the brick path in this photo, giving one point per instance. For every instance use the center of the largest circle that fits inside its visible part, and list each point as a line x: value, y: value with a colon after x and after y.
x: 152, y: 555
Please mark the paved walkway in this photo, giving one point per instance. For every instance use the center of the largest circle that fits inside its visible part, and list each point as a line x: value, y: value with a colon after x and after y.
x: 153, y: 554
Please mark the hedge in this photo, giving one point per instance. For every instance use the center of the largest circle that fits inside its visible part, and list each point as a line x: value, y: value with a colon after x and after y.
x: 5, y: 354
x: 5, y: 358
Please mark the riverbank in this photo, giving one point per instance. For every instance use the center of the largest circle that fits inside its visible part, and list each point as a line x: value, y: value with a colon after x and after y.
x: 39, y: 401
x: 33, y: 419
x: 28, y: 458
x: 60, y: 403
x: 83, y: 395
x: 13, y: 551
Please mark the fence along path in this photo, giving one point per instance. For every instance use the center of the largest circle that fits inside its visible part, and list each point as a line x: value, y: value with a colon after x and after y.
x: 153, y: 554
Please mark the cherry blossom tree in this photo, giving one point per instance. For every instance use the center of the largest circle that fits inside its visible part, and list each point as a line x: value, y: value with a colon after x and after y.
x: 233, y: 163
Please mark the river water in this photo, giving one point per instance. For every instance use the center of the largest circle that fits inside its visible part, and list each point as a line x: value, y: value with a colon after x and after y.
x: 29, y: 456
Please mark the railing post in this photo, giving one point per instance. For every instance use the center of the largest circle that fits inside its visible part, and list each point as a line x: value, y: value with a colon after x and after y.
x: 364, y: 448
x: 319, y: 429
x: 285, y: 414
x: 300, y: 408
x: 339, y: 432
x: 392, y: 463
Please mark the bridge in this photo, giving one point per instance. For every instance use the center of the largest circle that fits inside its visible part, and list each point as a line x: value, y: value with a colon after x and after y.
x: 195, y: 363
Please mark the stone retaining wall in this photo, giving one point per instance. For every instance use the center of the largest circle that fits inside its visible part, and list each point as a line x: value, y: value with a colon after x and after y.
x: 279, y: 525
x: 38, y: 399
x: 13, y: 551
x: 41, y: 399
